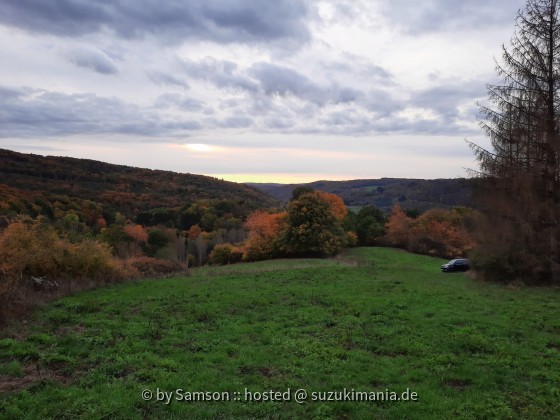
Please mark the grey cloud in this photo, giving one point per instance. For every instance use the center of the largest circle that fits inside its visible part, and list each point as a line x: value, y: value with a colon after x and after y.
x: 267, y: 105
x: 231, y: 103
x: 265, y: 20
x: 282, y: 81
x: 173, y: 21
x: 381, y: 103
x: 445, y: 99
x: 279, y: 80
x: 264, y: 80
x: 353, y: 64
x: 230, y: 122
x: 58, y: 17
x: 181, y: 102
x: 279, y: 123
x: 165, y: 79
x: 396, y: 124
x: 222, y: 73
x: 8, y: 93
x: 28, y: 112
x: 93, y: 59
x: 236, y: 122
x: 438, y: 15
x: 340, y: 118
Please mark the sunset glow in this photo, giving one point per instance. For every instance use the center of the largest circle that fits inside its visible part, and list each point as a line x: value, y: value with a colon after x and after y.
x: 199, y: 147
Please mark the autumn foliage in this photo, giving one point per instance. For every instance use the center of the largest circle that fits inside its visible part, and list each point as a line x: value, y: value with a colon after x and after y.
x: 312, y: 226
x: 264, y: 230
x: 139, y: 237
x: 224, y: 254
x: 438, y: 232
x: 398, y: 228
x: 337, y: 207
x: 40, y: 260
x: 31, y: 248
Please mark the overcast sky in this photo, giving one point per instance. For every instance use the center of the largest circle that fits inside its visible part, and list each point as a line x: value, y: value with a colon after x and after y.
x: 252, y: 90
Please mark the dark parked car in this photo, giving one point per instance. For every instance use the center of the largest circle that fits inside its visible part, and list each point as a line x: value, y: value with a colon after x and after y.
x: 460, y: 264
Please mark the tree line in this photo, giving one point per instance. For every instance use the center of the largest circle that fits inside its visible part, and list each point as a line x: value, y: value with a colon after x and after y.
x: 313, y: 224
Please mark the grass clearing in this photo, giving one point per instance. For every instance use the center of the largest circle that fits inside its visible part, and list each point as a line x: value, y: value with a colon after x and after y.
x: 374, y: 320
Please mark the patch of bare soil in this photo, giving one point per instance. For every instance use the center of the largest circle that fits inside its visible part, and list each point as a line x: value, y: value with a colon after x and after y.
x: 31, y: 375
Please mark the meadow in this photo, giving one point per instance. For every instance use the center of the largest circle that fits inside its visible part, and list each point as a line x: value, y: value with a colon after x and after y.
x: 377, y: 321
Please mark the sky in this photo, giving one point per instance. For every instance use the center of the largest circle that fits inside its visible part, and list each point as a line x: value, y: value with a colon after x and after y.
x: 281, y: 91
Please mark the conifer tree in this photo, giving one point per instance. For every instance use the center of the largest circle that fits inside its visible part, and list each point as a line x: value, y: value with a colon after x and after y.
x: 519, y: 176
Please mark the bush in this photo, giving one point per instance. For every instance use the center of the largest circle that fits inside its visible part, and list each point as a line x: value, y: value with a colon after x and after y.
x: 437, y: 232
x: 351, y: 239
x: 30, y: 248
x: 89, y: 259
x: 149, y: 266
x: 223, y: 254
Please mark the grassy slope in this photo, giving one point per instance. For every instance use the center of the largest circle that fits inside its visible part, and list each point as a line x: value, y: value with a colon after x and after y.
x: 377, y: 319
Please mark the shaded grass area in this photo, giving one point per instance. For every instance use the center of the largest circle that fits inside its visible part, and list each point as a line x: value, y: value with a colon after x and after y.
x: 375, y: 320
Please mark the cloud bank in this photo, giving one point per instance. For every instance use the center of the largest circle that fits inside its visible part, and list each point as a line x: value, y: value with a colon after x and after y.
x: 220, y: 71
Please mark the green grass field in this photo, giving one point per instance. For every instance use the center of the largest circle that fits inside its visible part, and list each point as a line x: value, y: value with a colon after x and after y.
x: 373, y: 320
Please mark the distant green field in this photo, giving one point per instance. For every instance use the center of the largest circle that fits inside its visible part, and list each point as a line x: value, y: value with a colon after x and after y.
x: 354, y: 209
x: 372, y: 324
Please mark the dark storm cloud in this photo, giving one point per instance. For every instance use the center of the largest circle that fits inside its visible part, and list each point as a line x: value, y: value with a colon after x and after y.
x: 28, y: 112
x: 437, y: 15
x: 93, y: 59
x: 172, y: 20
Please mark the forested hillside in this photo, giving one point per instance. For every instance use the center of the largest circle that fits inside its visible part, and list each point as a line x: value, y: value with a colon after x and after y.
x: 53, y: 186
x: 421, y: 194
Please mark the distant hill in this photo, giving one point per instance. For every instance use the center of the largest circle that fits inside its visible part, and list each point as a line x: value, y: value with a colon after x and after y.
x: 421, y: 194
x: 52, y: 186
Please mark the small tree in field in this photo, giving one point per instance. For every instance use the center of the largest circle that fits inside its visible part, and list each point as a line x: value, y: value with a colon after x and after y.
x: 313, y: 226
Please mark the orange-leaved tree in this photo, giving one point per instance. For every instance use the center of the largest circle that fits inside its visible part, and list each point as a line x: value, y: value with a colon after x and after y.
x: 138, y: 235
x: 398, y: 228
x: 438, y: 232
x: 337, y: 206
x: 264, y: 230
x: 444, y: 233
